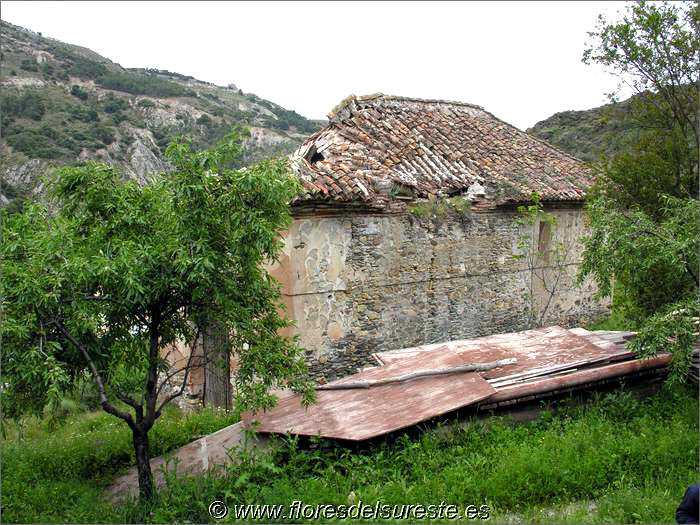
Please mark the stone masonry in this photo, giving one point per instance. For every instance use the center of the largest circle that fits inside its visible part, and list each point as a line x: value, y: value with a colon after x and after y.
x: 358, y: 284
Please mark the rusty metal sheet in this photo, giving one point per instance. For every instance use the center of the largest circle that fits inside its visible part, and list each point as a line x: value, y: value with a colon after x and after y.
x: 551, y: 384
x: 549, y: 346
x: 358, y: 414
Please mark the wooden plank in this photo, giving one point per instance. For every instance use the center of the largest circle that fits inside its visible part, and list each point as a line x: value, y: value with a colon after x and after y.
x: 555, y: 384
x: 550, y: 370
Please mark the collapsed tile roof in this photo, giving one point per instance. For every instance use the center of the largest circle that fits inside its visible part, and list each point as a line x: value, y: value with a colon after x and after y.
x: 378, y: 145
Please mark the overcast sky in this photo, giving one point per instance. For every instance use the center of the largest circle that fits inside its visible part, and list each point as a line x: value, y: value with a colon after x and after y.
x: 519, y: 60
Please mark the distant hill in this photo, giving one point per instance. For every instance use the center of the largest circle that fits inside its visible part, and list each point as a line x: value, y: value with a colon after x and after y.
x: 588, y: 134
x: 63, y: 103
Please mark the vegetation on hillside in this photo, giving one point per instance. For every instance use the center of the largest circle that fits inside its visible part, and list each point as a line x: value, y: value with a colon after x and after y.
x: 589, y: 134
x: 61, y: 103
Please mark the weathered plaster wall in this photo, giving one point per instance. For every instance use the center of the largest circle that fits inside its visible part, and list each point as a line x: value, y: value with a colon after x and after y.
x: 366, y: 283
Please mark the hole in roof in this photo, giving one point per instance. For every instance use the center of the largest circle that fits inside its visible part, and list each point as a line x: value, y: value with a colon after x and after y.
x: 313, y: 156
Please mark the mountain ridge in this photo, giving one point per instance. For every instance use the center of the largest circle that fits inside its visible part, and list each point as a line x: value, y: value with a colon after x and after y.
x: 62, y: 103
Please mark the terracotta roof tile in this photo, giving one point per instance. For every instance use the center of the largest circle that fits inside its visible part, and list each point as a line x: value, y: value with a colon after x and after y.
x: 432, y: 147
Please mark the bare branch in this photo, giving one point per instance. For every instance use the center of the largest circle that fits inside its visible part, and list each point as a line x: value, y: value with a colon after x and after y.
x: 104, y: 402
x: 187, y: 368
x: 128, y: 400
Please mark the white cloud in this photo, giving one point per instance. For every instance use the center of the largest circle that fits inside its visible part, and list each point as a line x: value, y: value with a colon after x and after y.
x: 520, y: 60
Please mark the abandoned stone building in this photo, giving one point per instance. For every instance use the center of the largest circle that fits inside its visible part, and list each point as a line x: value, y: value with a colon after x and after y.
x: 407, y: 231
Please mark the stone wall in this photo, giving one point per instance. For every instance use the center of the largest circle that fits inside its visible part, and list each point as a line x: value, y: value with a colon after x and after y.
x: 359, y: 284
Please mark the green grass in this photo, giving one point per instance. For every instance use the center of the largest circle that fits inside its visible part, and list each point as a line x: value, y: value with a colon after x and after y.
x: 615, y: 459
x: 441, y: 207
x: 58, y: 474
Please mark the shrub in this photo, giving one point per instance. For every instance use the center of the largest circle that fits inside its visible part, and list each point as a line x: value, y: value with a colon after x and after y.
x: 34, y: 144
x: 115, y: 104
x: 118, y: 118
x: 28, y: 65
x: 145, y: 103
x: 105, y: 134
x: 29, y: 105
x: 83, y: 114
x: 79, y: 92
x: 49, y: 132
x: 204, y: 120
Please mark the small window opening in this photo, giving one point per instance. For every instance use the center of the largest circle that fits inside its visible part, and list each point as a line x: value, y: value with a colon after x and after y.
x: 544, y: 240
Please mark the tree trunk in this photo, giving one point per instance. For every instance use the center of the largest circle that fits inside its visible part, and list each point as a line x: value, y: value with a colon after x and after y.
x: 143, y: 464
x: 217, y: 370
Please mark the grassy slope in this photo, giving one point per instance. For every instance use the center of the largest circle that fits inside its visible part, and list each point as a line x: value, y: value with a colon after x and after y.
x: 58, y: 475
x: 587, y: 134
x: 614, y: 460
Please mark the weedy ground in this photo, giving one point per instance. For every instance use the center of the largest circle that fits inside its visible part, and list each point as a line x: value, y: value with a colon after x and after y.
x: 614, y: 459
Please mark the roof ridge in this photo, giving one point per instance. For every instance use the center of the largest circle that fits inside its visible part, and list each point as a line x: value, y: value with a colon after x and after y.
x: 347, y: 101
x: 430, y: 101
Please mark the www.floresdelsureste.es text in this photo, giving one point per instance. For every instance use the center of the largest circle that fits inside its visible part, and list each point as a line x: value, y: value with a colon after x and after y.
x: 299, y: 510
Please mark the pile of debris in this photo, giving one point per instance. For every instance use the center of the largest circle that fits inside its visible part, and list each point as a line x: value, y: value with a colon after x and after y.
x: 413, y: 385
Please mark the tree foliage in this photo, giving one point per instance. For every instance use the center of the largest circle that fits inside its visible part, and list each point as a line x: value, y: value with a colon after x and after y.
x: 653, y: 49
x: 655, y: 260
x: 107, y: 276
x: 644, y: 207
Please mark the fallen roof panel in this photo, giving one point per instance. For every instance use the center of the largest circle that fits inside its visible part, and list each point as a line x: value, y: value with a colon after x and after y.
x: 541, y: 347
x: 362, y: 413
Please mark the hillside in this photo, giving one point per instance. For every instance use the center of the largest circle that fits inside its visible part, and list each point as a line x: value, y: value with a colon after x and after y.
x: 590, y: 133
x: 63, y: 103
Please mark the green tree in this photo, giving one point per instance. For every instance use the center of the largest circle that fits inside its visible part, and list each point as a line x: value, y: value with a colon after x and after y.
x: 643, y: 208
x: 654, y: 51
x: 110, y: 274
x: 656, y: 263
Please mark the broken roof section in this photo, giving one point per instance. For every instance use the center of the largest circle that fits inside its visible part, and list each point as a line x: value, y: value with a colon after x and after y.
x: 379, y: 145
x: 545, y: 359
